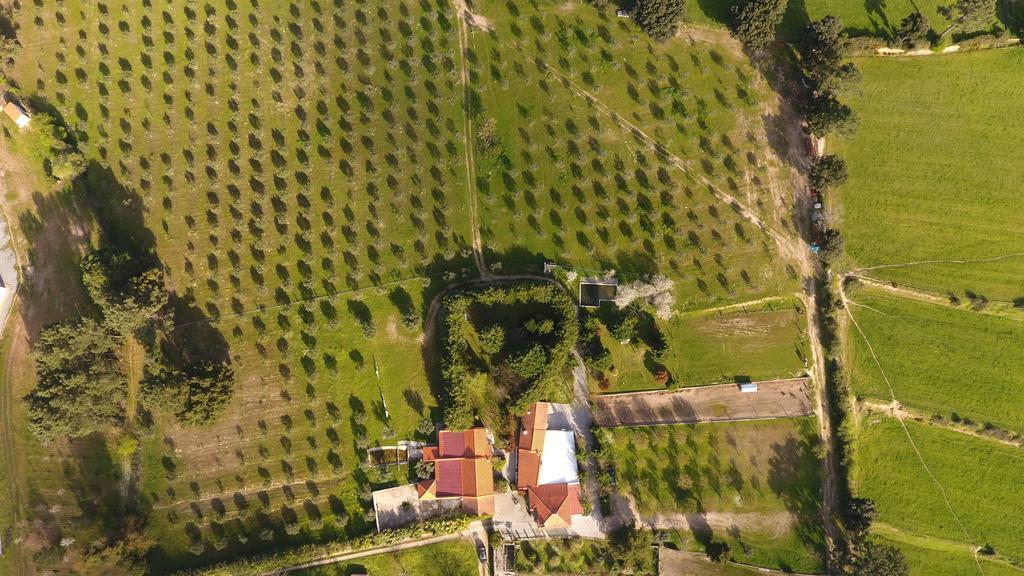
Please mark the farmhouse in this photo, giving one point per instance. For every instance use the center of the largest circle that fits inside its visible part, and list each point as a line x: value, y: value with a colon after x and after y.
x: 17, y: 113
x: 593, y: 291
x: 462, y: 470
x: 547, y: 473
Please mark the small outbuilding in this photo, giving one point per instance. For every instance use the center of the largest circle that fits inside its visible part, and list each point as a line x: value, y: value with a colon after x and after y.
x: 748, y: 387
x: 594, y: 291
x: 17, y: 113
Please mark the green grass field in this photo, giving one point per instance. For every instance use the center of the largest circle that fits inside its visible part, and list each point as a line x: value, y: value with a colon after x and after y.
x: 591, y: 196
x: 933, y: 170
x: 938, y: 359
x: 928, y: 557
x: 447, y: 559
x: 980, y: 478
x: 755, y: 469
x: 759, y: 342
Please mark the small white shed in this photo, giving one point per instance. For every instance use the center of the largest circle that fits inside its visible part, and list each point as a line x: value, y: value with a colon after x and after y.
x: 748, y: 387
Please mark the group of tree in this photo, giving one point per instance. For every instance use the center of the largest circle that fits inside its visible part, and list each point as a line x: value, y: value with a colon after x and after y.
x: 82, y: 383
x: 51, y: 143
x: 659, y: 18
x: 521, y: 360
x: 822, y: 62
x: 863, y: 555
x: 754, y: 22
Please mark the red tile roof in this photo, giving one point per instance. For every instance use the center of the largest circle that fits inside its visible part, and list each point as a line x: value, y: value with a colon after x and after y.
x: 528, y: 469
x: 535, y: 422
x: 462, y: 469
x: 549, y: 500
x: 430, y: 453
x: 463, y: 444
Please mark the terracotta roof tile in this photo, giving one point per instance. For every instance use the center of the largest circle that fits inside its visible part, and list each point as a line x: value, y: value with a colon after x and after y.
x: 451, y: 443
x: 529, y: 469
x: 562, y: 500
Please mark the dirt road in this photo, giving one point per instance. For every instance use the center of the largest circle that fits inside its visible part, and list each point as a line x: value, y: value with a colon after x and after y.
x: 462, y: 13
x: 720, y: 403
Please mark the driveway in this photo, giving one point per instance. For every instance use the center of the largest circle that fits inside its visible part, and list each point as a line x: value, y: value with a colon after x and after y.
x: 721, y: 403
x: 8, y: 273
x: 399, y: 506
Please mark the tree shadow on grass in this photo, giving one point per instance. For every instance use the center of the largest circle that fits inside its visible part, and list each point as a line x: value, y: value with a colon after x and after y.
x: 794, y: 477
x: 57, y: 233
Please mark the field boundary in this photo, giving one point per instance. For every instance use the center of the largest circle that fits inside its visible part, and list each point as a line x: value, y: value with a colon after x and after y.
x: 899, y: 411
x: 906, y: 431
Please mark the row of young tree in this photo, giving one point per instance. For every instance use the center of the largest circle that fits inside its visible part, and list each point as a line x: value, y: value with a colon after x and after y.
x: 81, y: 362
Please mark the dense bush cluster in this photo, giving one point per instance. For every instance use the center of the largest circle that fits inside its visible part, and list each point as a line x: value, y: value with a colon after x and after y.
x: 659, y: 18
x: 505, y: 347
x: 755, y: 21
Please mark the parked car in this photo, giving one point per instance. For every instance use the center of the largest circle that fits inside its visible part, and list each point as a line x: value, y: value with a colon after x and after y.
x: 481, y: 551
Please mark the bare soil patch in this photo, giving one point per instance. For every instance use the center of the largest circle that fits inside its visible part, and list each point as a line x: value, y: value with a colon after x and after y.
x: 773, y: 399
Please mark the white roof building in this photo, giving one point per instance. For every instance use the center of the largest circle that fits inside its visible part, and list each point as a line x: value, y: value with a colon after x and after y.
x: 558, y: 460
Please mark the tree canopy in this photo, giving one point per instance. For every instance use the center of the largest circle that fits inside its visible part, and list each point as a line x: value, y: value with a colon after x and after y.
x: 81, y: 387
x: 825, y: 113
x: 127, y: 292
x: 821, y: 54
x: 870, y: 558
x: 913, y: 29
x: 755, y: 21
x: 827, y: 171
x: 659, y: 18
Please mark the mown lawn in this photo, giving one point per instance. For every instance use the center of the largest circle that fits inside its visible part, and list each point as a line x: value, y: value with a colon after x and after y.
x: 934, y: 170
x: 759, y: 342
x: 456, y: 558
x: 751, y: 468
x: 939, y: 359
x: 980, y: 477
x: 560, y: 180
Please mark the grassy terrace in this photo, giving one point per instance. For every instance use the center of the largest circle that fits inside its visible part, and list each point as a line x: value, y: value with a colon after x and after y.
x: 757, y: 342
x: 933, y: 133
x: 457, y: 558
x: 930, y: 557
x: 938, y: 359
x: 980, y: 478
x: 754, y: 473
